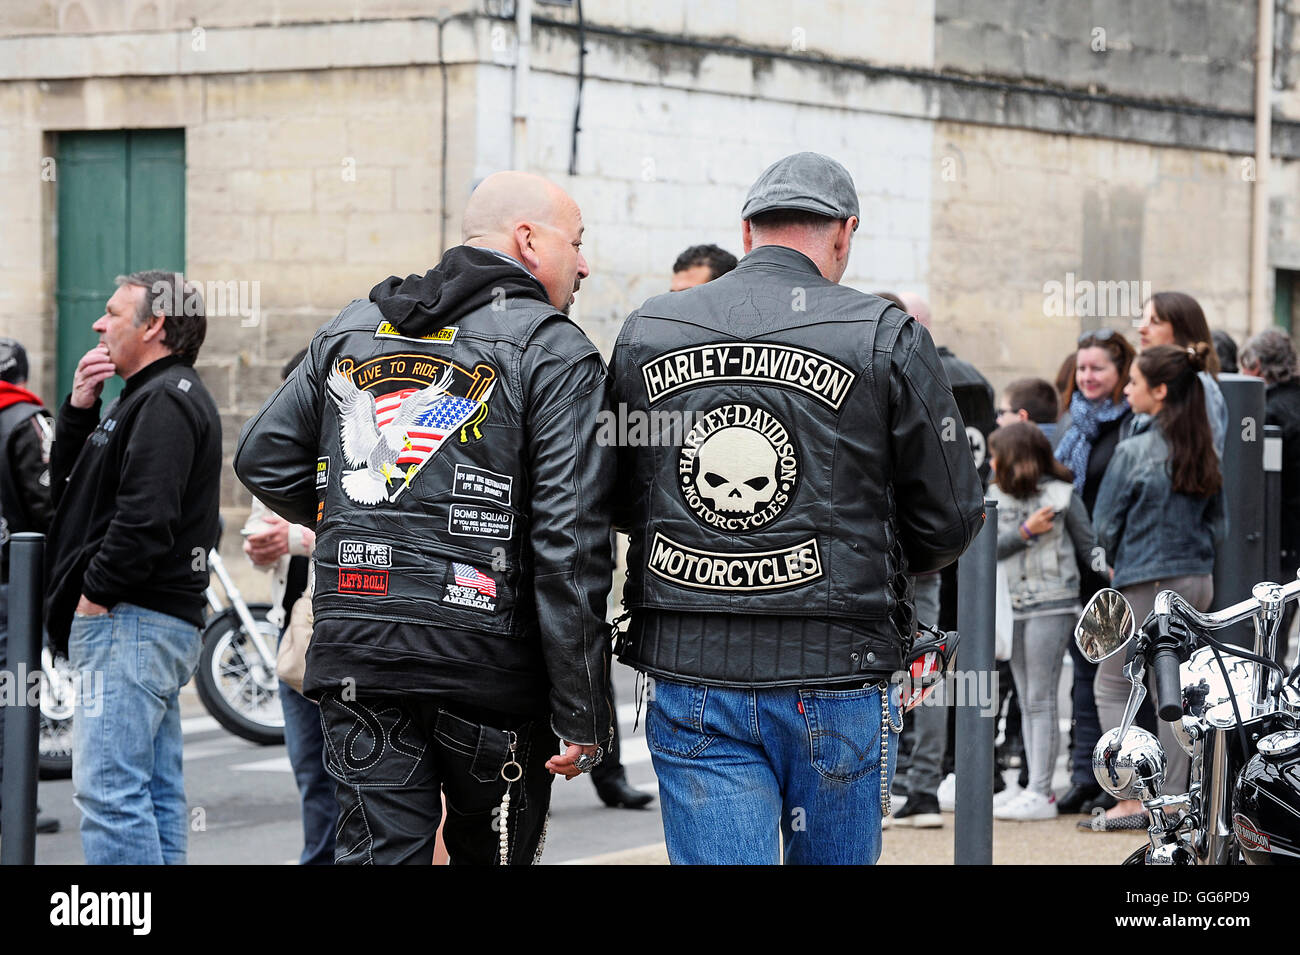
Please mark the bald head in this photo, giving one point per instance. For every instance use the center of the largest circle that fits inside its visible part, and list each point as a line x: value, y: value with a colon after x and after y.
x: 535, y: 222
x: 917, y: 307
x: 504, y: 199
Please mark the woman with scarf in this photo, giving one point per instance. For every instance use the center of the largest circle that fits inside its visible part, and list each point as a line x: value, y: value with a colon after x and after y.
x: 1098, y: 415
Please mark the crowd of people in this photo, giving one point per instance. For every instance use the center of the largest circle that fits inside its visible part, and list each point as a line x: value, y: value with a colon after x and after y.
x: 436, y: 507
x: 1110, y: 477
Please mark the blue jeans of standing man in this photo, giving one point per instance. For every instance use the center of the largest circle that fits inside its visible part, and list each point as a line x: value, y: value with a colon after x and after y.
x: 741, y: 769
x: 306, y: 749
x: 126, y: 734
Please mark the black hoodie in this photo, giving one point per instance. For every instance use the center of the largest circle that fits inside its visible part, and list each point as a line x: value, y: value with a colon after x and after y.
x: 466, y: 279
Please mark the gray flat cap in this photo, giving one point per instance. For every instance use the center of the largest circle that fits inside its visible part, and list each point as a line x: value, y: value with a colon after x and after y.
x: 808, y: 181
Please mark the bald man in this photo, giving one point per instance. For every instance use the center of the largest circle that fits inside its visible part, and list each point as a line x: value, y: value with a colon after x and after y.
x: 441, y: 438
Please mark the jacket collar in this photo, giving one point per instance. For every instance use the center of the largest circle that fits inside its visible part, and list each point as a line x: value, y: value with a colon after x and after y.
x: 780, y: 256
x: 149, y: 372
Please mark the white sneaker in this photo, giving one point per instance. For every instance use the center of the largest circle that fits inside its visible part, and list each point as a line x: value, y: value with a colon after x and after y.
x: 1028, y: 806
x: 947, y: 793
x: 1007, y: 796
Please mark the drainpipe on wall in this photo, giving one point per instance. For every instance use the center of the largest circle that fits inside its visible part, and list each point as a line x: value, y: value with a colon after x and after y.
x: 1261, y: 309
x: 523, y: 49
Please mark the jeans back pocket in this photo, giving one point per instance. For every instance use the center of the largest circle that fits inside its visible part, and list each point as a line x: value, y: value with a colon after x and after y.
x: 674, y: 722
x: 843, y: 731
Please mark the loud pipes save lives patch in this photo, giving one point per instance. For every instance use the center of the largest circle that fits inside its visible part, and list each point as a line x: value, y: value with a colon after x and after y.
x: 470, y: 587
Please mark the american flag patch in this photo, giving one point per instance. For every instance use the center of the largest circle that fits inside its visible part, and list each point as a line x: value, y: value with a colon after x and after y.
x: 467, y: 576
x: 431, y: 429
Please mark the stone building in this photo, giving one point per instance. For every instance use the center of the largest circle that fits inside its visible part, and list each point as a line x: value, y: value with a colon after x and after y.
x: 1034, y: 167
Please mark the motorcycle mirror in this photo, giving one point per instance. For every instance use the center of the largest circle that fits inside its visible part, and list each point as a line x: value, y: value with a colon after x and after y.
x: 1105, y: 627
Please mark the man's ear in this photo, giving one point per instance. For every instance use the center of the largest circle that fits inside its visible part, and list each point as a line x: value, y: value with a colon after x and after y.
x: 746, y: 237
x: 524, y: 238
x: 1022, y: 414
x: 844, y: 238
x: 153, y: 331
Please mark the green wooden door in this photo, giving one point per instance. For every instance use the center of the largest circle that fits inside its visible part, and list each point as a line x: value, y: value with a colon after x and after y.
x: 121, y: 209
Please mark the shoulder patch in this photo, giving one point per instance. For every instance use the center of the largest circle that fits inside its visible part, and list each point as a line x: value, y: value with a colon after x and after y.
x: 443, y: 336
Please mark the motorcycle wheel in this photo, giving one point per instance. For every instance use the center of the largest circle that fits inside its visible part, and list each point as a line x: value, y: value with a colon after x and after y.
x: 54, y: 760
x: 240, y: 692
x: 1138, y: 857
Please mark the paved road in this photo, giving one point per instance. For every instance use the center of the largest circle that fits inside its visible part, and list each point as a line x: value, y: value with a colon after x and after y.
x: 244, y: 804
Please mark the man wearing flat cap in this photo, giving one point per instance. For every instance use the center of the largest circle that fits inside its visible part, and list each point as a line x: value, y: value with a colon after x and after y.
x: 800, y: 468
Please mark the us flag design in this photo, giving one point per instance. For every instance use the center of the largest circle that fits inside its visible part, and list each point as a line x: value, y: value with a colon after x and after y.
x: 430, y: 429
x: 467, y: 576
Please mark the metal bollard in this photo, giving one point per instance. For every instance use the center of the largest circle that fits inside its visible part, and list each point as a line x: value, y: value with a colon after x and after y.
x: 1273, y: 504
x: 22, y: 721
x: 1240, y: 562
x: 976, y: 610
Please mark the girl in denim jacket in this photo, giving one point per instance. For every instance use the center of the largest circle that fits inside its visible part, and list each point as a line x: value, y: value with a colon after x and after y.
x: 1038, y: 555
x: 1159, y: 515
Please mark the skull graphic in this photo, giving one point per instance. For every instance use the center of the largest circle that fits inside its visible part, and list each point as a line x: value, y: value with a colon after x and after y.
x: 737, y: 470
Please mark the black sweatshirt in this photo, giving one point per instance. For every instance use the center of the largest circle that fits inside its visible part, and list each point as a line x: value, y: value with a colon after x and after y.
x: 137, y: 498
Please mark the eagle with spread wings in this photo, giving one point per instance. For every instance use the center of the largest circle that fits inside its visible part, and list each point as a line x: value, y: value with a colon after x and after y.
x: 373, y: 450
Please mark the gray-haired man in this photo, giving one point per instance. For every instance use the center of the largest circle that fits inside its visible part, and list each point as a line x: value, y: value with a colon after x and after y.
x: 136, y: 496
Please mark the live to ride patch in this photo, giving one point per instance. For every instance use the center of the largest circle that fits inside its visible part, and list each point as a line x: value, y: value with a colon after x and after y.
x: 470, y: 520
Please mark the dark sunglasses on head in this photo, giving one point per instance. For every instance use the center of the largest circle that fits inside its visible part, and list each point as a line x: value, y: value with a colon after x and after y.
x: 1100, y: 335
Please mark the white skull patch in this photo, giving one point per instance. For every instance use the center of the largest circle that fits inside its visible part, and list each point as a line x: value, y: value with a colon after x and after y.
x: 738, y: 468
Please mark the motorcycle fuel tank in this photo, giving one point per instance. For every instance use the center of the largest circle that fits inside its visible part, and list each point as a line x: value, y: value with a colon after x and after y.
x: 1266, y: 803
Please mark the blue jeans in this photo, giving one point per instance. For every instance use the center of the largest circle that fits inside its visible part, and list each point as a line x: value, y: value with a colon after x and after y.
x: 306, y: 748
x: 742, y: 768
x: 126, y: 734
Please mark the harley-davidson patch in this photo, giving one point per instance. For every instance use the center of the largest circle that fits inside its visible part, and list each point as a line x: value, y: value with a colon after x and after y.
x: 395, y: 413
x: 791, y: 566
x: 798, y: 368
x: 738, y: 468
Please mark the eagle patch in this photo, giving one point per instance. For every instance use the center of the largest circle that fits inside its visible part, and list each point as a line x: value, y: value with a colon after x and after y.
x: 396, y: 412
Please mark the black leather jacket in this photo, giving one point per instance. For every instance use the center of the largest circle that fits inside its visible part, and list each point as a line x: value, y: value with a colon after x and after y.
x: 819, y: 457
x: 463, y: 546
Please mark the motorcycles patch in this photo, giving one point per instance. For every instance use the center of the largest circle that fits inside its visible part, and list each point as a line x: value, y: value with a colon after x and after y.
x: 470, y: 587
x: 738, y: 468
x: 395, y: 413
x: 780, y: 569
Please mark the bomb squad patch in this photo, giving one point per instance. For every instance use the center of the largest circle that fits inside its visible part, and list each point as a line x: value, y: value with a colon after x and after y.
x: 738, y: 468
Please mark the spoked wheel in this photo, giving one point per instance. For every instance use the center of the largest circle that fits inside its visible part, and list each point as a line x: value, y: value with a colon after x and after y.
x: 240, y: 691
x: 58, y: 699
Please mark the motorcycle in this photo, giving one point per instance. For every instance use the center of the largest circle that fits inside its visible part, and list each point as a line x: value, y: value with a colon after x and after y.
x: 58, y: 698
x: 236, y: 677
x: 1235, y: 713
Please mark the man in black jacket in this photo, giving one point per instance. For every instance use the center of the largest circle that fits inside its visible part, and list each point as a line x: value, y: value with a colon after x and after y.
x: 25, y: 433
x: 440, y: 436
x: 137, y: 498
x: 796, y: 468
